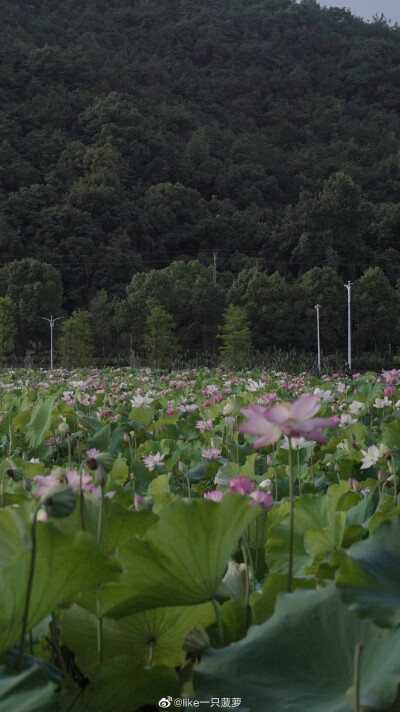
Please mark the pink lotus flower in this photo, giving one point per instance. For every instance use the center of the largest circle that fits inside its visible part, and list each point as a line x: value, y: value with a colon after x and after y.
x: 213, y: 453
x: 334, y: 420
x: 269, y: 398
x: 291, y: 419
x: 71, y: 478
x: 242, y: 485
x: 204, y: 425
x: 391, y: 376
x: 214, y: 495
x: 389, y: 390
x: 153, y: 461
x: 264, y: 499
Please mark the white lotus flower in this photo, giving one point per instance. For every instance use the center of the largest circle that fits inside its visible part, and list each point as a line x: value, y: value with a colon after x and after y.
x: 372, y: 455
x: 356, y: 407
x: 346, y: 420
x: 141, y: 401
x: 382, y: 402
x: 324, y: 396
x: 297, y: 443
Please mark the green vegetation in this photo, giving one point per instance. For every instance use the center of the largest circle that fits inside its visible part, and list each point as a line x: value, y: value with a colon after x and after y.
x: 138, y: 138
x: 76, y: 340
x: 236, y: 338
x: 160, y: 339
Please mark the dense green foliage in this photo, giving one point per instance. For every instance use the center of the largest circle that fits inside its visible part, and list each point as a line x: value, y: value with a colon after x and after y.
x: 160, y: 340
x: 76, y: 340
x: 235, y: 337
x: 152, y: 549
x: 135, y: 134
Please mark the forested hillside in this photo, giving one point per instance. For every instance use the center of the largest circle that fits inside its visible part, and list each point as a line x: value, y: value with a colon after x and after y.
x: 135, y: 133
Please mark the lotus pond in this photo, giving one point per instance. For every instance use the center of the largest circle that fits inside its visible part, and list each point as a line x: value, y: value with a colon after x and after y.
x: 199, y: 539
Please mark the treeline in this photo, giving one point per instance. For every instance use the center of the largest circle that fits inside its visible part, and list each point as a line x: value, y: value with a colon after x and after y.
x: 181, y: 307
x: 136, y: 133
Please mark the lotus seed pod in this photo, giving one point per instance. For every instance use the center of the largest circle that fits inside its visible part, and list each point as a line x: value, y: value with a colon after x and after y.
x: 59, y: 501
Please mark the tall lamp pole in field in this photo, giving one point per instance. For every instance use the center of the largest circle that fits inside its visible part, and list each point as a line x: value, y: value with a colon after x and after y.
x: 51, y: 322
x: 348, y: 286
x: 318, y: 307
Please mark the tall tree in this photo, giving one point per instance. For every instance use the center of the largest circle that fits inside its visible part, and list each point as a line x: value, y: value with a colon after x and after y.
x: 376, y: 312
x: 160, y: 338
x: 36, y: 290
x: 235, y: 337
x: 76, y: 340
x: 8, y: 328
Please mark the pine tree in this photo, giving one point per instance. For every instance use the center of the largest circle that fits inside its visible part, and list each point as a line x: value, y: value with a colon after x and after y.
x: 7, y: 326
x: 160, y: 339
x: 236, y: 337
x: 76, y: 340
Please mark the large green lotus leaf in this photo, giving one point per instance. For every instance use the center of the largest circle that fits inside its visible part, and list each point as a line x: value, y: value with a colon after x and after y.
x: 39, y: 422
x: 182, y: 558
x: 28, y: 692
x: 263, y: 603
x: 119, y: 471
x: 65, y: 566
x: 14, y: 533
x: 156, y: 635
x: 369, y: 576
x: 119, y: 523
x: 21, y: 420
x: 363, y: 510
x: 144, y: 416
x: 311, y: 512
x: 123, y: 685
x: 391, y: 434
x: 319, y: 541
x: 235, y: 621
x: 302, y: 659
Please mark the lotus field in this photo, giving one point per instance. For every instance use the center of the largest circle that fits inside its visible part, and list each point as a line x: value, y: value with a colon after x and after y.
x: 199, y: 539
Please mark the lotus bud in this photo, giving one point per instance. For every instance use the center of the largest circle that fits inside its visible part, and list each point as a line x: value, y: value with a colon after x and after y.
x: 101, y: 475
x: 95, y: 459
x: 382, y: 475
x: 27, y: 484
x: 59, y: 501
x: 105, y: 459
x: 197, y: 640
x: 64, y: 429
x: 15, y: 474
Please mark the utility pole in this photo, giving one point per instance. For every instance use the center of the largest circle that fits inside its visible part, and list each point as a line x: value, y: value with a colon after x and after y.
x: 318, y: 307
x: 51, y: 322
x: 215, y: 269
x: 348, y: 286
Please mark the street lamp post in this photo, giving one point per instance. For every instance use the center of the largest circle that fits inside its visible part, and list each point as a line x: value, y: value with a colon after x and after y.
x: 348, y: 286
x: 318, y: 307
x: 51, y: 322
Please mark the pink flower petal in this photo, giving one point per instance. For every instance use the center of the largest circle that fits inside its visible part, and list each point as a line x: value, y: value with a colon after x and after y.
x: 305, y: 407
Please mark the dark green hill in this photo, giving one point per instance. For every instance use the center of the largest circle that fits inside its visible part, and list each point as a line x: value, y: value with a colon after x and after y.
x: 134, y: 133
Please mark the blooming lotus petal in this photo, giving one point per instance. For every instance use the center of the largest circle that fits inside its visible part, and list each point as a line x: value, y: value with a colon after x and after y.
x: 305, y: 407
x: 214, y: 495
x: 269, y: 438
x: 242, y: 485
x: 256, y: 420
x: 265, y: 499
x: 278, y: 414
